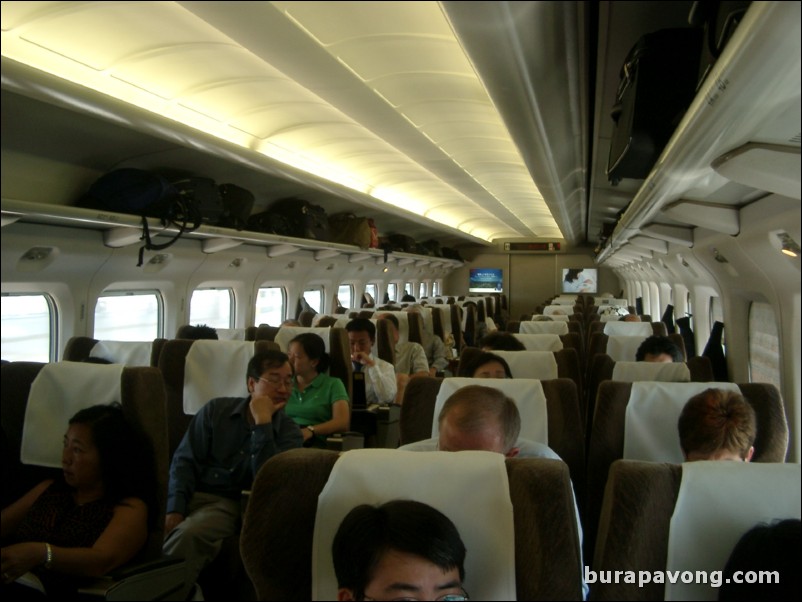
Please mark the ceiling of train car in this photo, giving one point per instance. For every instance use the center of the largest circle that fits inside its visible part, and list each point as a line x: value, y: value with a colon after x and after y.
x: 377, y: 101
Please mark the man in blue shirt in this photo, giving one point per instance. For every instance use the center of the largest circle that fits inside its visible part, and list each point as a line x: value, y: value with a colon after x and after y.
x: 226, y: 443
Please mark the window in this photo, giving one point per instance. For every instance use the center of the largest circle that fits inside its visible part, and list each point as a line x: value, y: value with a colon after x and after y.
x: 270, y: 303
x: 408, y: 289
x: 345, y: 293
x: 372, y: 290
x: 421, y: 290
x: 213, y: 307
x: 436, y: 288
x: 392, y: 291
x: 764, y: 345
x: 128, y: 316
x: 314, y: 298
x: 28, y: 327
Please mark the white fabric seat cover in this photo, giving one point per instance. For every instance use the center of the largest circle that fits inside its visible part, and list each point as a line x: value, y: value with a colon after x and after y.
x: 527, y: 394
x: 530, y: 327
x: 128, y: 353
x: 59, y: 391
x: 539, y: 365
x: 629, y: 329
x: 476, y: 486
x: 215, y: 369
x: 287, y: 333
x: 540, y: 342
x: 630, y: 372
x: 650, y: 421
x: 717, y: 503
x: 623, y: 348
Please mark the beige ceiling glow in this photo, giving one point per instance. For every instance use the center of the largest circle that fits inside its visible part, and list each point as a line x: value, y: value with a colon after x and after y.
x: 190, y: 62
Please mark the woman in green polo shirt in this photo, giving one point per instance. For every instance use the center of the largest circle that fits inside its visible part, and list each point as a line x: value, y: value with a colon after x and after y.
x: 319, y: 402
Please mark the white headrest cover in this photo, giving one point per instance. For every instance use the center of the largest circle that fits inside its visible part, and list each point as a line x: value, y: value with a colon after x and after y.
x: 403, y: 323
x: 57, y: 393
x: 630, y: 372
x: 650, y: 422
x: 558, y: 318
x: 287, y: 333
x: 611, y: 318
x: 128, y: 353
x: 538, y: 365
x: 540, y: 342
x: 231, y: 334
x: 630, y: 329
x: 527, y: 394
x: 476, y: 486
x: 530, y: 327
x: 623, y: 348
x: 717, y: 503
x: 560, y: 309
x: 215, y: 369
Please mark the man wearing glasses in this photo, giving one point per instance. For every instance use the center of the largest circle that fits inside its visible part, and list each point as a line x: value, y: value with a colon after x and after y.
x: 226, y: 443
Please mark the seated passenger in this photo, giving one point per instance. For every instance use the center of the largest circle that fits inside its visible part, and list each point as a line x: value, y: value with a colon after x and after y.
x: 226, y: 443
x: 400, y: 550
x: 481, y: 418
x: 769, y: 550
x: 658, y: 348
x: 380, y: 384
x: 407, y: 298
x: 326, y: 322
x: 629, y: 318
x: 717, y: 425
x: 410, y: 358
x: 541, y: 318
x: 290, y: 322
x: 486, y: 365
x: 319, y: 402
x: 433, y: 345
x: 477, y: 418
x: 93, y: 518
x: 501, y: 341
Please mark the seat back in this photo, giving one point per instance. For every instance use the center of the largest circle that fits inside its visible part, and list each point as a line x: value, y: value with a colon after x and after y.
x: 537, y: 327
x: 622, y: 348
x: 281, y: 520
x: 130, y: 353
x: 540, y: 342
x: 34, y: 425
x: 609, y: 440
x: 564, y: 427
x: 692, y: 515
x: 218, y: 357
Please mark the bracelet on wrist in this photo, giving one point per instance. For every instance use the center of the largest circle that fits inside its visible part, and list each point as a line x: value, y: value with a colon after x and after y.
x: 48, y: 555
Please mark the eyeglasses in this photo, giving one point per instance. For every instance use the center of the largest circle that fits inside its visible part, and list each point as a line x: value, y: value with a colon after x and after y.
x: 443, y: 598
x: 277, y: 381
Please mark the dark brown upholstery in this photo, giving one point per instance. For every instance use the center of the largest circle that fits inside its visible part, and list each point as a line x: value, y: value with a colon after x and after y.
x: 602, y: 366
x: 566, y: 436
x: 265, y: 332
x: 279, y: 523
x: 639, y: 501
x: 78, y: 349
x: 456, y: 326
x: 514, y: 326
x: 384, y: 345
x: 607, y: 437
x: 415, y: 321
x: 143, y: 403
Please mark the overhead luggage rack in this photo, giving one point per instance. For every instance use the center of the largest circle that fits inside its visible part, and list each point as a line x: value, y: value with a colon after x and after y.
x: 121, y: 229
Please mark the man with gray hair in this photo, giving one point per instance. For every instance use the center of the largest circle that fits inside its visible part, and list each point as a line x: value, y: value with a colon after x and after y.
x: 481, y: 418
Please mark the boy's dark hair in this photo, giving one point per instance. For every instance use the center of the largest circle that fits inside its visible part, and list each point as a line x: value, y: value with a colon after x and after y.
x: 367, y: 532
x: 362, y: 325
x: 502, y: 341
x: 657, y: 345
x: 480, y: 360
